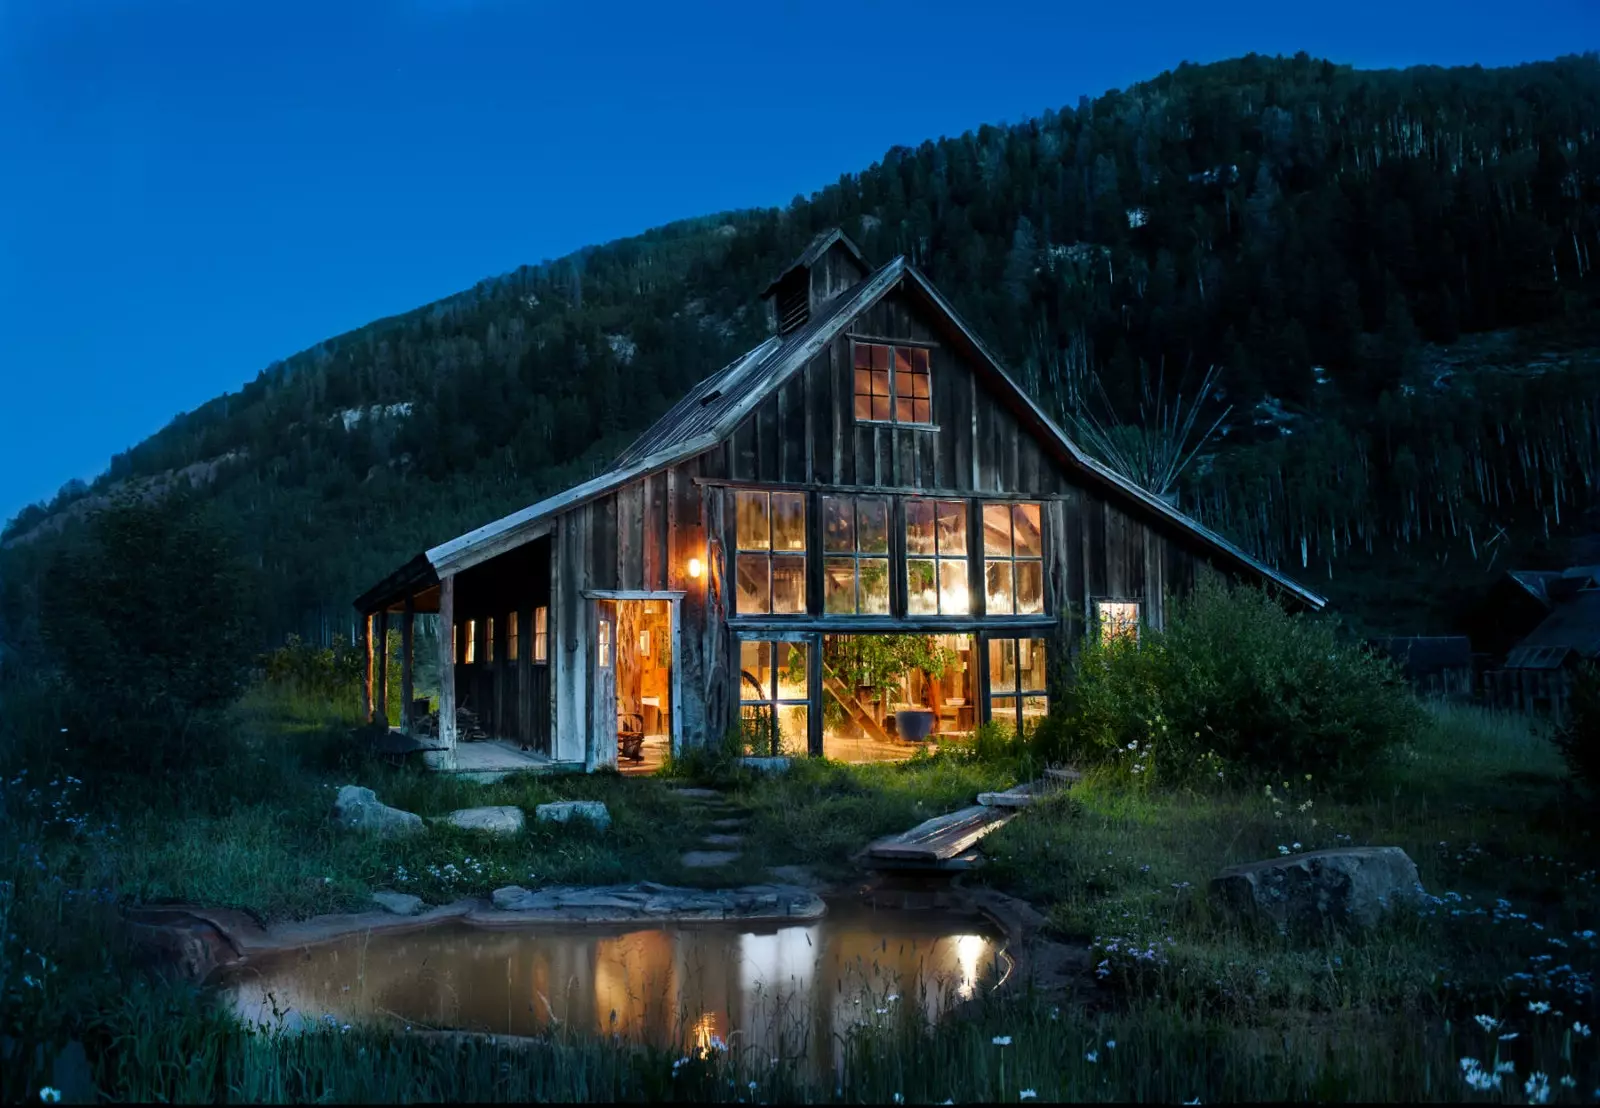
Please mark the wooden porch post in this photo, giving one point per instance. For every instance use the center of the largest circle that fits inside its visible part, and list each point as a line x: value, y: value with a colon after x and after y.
x: 380, y: 683
x: 366, y: 674
x: 407, y: 651
x: 447, y: 673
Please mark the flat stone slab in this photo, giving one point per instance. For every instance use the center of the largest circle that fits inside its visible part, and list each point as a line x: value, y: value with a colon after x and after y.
x: 728, y: 824
x: 400, y: 904
x: 722, y: 840
x: 707, y: 859
x: 694, y: 793
x: 796, y: 875
x: 647, y: 900
x: 565, y: 811
x: 503, y: 819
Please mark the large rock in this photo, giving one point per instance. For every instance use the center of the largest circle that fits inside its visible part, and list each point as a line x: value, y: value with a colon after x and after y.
x: 563, y: 811
x: 505, y: 819
x: 175, y: 942
x: 359, y: 809
x: 1353, y: 887
x: 401, y: 904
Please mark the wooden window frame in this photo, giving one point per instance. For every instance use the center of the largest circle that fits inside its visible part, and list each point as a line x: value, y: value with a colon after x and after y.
x: 1019, y: 694
x: 541, y: 635
x: 769, y: 552
x: 894, y: 395
x: 470, y: 655
x: 772, y: 700
x: 1013, y: 558
x: 856, y: 555
x: 1099, y: 619
x: 513, y: 629
x: 938, y: 557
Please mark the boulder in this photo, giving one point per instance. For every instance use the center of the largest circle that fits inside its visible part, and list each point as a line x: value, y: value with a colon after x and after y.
x: 1353, y: 887
x: 359, y: 809
x: 564, y: 811
x: 504, y: 819
x: 176, y: 943
x: 774, y: 764
x: 401, y: 904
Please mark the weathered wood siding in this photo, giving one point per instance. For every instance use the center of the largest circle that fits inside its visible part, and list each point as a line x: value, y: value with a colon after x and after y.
x: 641, y: 537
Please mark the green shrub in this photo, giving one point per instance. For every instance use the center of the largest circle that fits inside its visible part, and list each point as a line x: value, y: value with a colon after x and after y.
x: 145, y: 617
x: 1578, y: 737
x: 1234, y: 685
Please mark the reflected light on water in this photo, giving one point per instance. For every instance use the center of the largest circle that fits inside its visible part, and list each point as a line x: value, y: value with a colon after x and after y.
x: 970, y: 950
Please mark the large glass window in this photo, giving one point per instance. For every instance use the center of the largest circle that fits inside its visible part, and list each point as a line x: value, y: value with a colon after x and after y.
x: 1017, y: 685
x: 893, y: 383
x: 773, y: 696
x: 1013, y: 565
x: 855, y: 568
x: 770, y: 530
x: 936, y: 558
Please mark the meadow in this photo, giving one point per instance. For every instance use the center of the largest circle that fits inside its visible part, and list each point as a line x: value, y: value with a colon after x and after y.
x: 1484, y: 994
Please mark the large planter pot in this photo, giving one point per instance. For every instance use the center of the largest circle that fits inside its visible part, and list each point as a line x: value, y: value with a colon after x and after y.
x: 914, y: 725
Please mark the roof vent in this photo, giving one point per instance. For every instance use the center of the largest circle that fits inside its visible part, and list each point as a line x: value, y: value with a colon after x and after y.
x: 709, y: 397
x: 831, y: 265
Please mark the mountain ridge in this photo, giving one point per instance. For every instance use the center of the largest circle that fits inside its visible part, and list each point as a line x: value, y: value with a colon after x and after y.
x: 1312, y: 229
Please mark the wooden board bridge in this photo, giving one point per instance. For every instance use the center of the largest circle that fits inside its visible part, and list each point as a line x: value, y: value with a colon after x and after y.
x: 947, y: 841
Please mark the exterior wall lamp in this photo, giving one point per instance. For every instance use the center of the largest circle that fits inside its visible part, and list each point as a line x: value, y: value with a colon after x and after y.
x: 694, y: 567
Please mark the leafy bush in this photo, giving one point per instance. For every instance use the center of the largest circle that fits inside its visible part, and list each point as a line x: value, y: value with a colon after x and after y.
x: 145, y: 617
x: 1235, y: 684
x: 1578, y: 737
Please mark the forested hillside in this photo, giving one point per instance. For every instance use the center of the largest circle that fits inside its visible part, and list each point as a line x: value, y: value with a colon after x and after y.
x: 1390, y: 269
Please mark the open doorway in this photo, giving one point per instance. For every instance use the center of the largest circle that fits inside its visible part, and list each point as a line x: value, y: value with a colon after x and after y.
x: 885, y: 695
x: 643, y: 647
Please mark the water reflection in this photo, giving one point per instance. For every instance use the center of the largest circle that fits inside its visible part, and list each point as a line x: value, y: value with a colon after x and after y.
x: 775, y: 990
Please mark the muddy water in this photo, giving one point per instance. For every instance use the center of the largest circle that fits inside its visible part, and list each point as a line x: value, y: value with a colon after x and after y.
x: 775, y: 990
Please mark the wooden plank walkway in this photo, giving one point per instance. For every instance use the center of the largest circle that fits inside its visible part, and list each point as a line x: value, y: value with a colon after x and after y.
x: 942, y: 837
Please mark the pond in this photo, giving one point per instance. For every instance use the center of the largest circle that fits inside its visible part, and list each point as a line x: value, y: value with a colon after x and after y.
x: 774, y: 990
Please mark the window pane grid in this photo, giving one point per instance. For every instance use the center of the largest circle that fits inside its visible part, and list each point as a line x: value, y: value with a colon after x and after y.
x: 936, y: 558
x: 1013, y: 569
x: 893, y: 384
x: 855, y: 541
x: 1017, y: 682
x: 770, y: 552
x: 774, y: 703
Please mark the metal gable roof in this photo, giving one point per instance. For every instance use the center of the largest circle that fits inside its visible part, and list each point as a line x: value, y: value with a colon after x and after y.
x: 715, y: 407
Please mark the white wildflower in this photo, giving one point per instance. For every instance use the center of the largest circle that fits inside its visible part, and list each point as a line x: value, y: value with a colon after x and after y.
x: 47, y: 1094
x: 1027, y: 1094
x: 1092, y: 1056
x: 1002, y: 1040
x: 1488, y: 1023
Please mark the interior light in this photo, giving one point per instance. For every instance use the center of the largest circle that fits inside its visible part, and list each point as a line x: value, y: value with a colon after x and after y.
x: 694, y: 567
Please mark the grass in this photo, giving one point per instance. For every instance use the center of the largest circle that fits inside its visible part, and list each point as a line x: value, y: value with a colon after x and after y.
x: 1194, y: 1005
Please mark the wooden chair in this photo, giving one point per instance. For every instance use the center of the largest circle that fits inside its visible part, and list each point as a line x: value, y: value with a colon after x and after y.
x: 630, y: 736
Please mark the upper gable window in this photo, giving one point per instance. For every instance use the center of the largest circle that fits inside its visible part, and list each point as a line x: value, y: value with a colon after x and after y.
x: 893, y: 383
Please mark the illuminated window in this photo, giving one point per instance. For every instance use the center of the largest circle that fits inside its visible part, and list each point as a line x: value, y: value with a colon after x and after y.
x: 1013, y: 565
x: 1017, y: 697
x: 541, y: 639
x: 511, y: 637
x: 936, y: 558
x: 1118, y: 619
x: 892, y: 383
x: 488, y: 640
x: 855, y: 567
x: 773, y: 696
x: 770, y: 533
x: 472, y: 641
x: 605, y: 644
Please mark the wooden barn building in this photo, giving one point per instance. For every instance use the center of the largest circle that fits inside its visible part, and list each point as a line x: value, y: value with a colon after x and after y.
x: 858, y: 535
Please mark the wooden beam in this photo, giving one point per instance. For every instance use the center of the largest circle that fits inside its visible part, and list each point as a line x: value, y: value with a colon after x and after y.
x: 447, y: 672
x: 366, y: 676
x: 380, y: 681
x: 408, y: 642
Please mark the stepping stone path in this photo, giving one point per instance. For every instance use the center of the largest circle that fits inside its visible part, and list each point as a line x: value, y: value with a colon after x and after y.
x: 732, y: 818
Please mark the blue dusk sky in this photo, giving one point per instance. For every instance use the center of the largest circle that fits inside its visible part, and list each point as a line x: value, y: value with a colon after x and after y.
x: 193, y: 190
